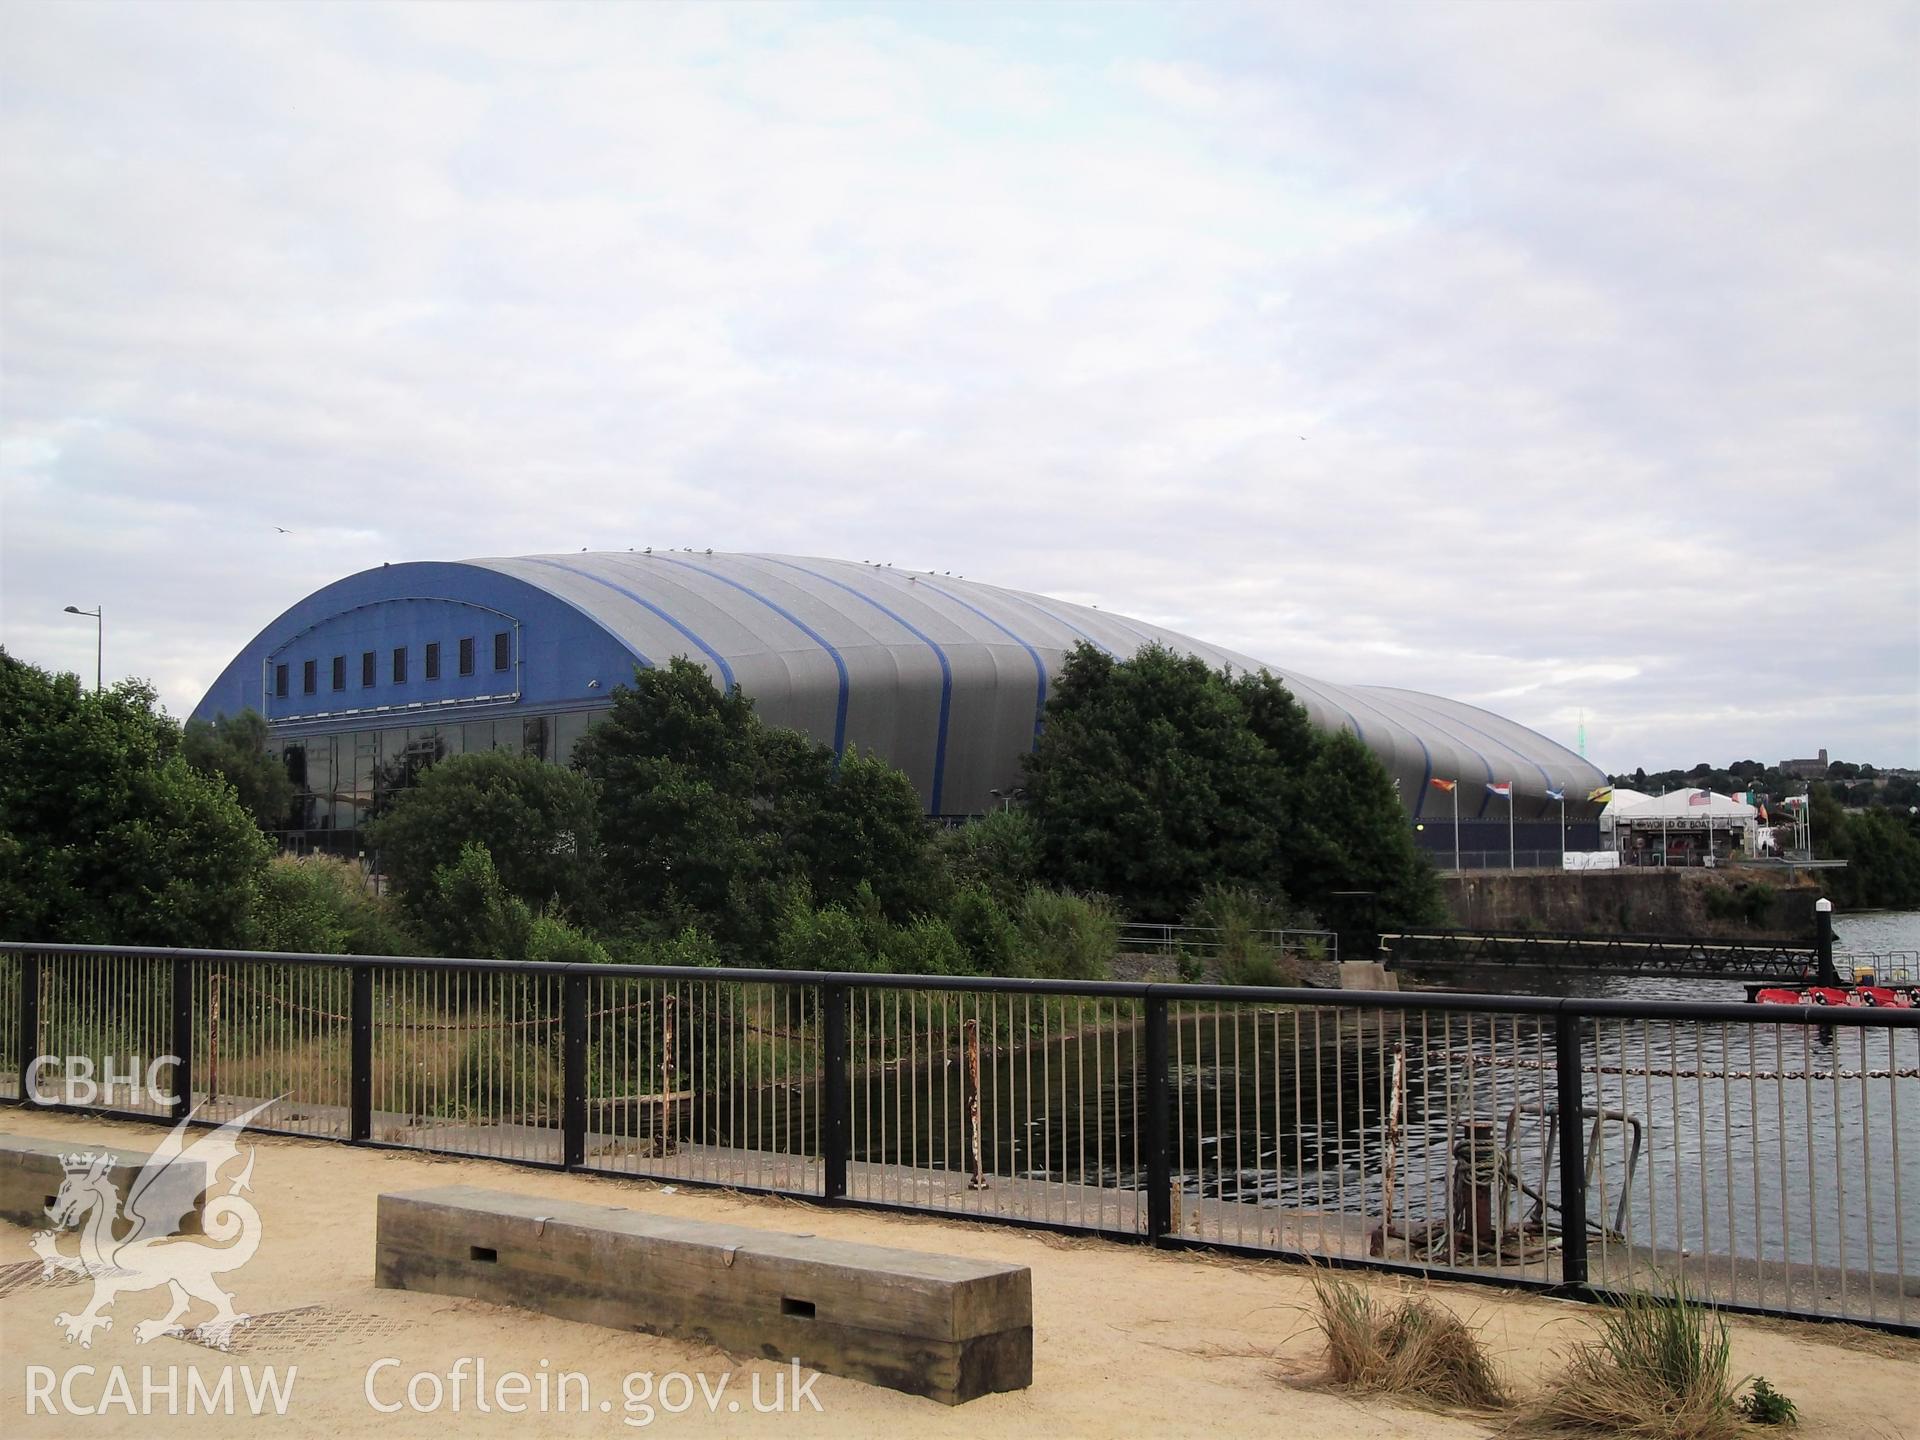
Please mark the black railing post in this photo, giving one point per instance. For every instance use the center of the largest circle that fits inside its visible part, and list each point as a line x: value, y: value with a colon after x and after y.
x: 573, y: 1040
x: 360, y: 1076
x: 29, y: 1019
x: 1158, y: 1098
x: 834, y: 1091
x: 182, y: 1037
x: 1570, y: 1105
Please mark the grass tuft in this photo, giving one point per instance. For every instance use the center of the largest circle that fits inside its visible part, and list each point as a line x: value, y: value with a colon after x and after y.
x: 1658, y: 1370
x: 1418, y: 1349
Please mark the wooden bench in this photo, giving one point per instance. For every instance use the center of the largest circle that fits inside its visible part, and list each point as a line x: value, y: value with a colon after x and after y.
x: 934, y: 1325
x: 32, y: 1171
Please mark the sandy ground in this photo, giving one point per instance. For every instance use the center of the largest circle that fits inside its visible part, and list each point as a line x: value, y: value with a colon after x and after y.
x: 1127, y: 1341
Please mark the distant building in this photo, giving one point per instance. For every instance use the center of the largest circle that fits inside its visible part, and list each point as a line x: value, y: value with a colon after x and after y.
x: 371, y: 677
x: 1806, y: 769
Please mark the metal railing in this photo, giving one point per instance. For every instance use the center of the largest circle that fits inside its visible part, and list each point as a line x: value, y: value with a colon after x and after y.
x: 1687, y: 957
x: 1755, y: 1153
x: 1142, y: 937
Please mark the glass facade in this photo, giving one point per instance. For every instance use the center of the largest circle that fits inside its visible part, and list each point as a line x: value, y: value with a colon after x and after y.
x: 349, y: 777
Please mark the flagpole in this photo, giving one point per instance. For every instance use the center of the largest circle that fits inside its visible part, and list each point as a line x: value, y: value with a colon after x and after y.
x: 1512, y: 862
x: 1663, y: 827
x: 1563, y: 828
x: 1456, y: 827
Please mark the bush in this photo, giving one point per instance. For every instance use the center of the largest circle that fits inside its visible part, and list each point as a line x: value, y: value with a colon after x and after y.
x: 982, y: 927
x: 536, y: 821
x: 320, y: 905
x: 1418, y: 1348
x: 829, y: 939
x: 1764, y: 1405
x: 1658, y: 1369
x: 1241, y: 918
x: 1064, y: 936
x: 998, y: 854
x: 923, y: 947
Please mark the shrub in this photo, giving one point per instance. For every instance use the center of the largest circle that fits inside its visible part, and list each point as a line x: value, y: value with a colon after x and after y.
x: 1065, y: 936
x: 1764, y: 1405
x: 320, y: 905
x: 1418, y: 1348
x: 998, y: 853
x: 982, y: 927
x: 1241, y: 918
x: 1658, y: 1370
x: 923, y: 947
x: 829, y: 939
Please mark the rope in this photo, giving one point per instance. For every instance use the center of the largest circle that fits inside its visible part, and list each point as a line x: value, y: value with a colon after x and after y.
x: 1639, y: 1072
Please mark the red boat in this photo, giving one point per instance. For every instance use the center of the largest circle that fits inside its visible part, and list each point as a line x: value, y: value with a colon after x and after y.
x: 1893, y: 997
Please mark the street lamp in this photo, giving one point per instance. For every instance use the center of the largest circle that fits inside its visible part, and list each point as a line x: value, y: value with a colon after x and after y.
x: 99, y: 638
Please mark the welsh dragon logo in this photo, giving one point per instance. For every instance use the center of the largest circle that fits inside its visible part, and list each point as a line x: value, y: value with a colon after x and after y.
x: 139, y: 1246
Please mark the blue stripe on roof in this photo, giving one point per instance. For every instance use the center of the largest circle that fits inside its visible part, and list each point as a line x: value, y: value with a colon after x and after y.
x: 1057, y: 619
x: 1039, y: 665
x: 839, y: 661
x: 946, y: 670
x: 1441, y: 719
x: 726, y: 670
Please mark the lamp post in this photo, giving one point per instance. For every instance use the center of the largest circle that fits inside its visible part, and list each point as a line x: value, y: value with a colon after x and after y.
x: 99, y: 638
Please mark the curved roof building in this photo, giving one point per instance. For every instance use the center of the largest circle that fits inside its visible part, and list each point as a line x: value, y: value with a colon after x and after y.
x: 947, y: 678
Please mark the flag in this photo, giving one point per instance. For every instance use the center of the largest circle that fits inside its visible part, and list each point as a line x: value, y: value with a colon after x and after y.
x: 1442, y: 784
x: 1553, y: 794
x: 1601, y: 794
x: 1501, y: 787
x: 1700, y: 797
x: 1793, y: 802
x: 1763, y: 815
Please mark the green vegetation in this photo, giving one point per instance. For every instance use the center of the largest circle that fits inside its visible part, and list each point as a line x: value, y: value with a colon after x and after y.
x: 107, y: 834
x: 1764, y: 1405
x: 234, y: 748
x: 1158, y: 776
x: 688, y: 832
x: 535, y: 820
x: 1658, y: 1369
x: 1881, y: 848
x: 319, y: 905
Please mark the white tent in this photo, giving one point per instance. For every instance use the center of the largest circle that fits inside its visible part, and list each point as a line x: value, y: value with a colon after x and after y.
x: 1682, y: 822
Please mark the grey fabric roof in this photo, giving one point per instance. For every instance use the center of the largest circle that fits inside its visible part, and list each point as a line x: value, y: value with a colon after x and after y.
x: 947, y: 677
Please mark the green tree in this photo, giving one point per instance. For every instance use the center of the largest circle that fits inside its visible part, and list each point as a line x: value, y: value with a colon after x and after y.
x: 469, y: 912
x: 320, y: 905
x: 107, y: 835
x: 1157, y: 776
x: 1000, y: 853
x: 710, y: 818
x: 536, y: 821
x: 1148, y: 781
x: 234, y: 747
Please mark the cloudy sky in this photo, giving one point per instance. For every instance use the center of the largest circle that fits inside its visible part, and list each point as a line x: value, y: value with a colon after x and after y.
x: 1559, y: 357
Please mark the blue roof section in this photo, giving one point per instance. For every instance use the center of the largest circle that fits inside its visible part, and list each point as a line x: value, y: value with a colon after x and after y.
x: 943, y: 676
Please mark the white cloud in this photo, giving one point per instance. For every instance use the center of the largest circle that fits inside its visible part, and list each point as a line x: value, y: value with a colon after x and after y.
x: 1597, y: 322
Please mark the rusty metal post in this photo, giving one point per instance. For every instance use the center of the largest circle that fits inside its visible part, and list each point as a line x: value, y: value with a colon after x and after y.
x: 970, y: 1040
x: 214, y: 977
x: 667, y: 1016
